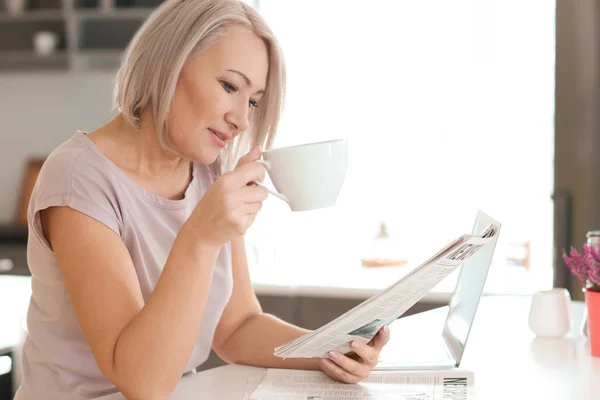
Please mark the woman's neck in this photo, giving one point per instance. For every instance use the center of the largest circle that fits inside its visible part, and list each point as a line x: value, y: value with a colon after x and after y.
x: 139, y: 152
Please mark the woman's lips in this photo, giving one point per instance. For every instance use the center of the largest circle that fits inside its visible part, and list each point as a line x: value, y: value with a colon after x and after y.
x: 219, y: 138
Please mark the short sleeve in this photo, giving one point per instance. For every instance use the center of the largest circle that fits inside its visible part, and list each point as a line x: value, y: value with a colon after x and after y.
x: 75, y: 178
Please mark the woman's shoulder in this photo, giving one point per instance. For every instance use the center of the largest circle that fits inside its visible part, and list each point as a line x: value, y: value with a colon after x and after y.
x: 76, y: 161
x: 74, y: 174
x: 68, y: 159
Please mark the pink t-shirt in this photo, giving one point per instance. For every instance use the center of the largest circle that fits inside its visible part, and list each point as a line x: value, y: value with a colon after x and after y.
x: 57, y: 360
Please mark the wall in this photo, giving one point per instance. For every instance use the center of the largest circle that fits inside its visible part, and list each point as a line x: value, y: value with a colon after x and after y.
x: 577, y: 125
x: 40, y: 111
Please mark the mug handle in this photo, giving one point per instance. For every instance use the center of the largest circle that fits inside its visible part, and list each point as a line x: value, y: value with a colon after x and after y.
x: 274, y: 193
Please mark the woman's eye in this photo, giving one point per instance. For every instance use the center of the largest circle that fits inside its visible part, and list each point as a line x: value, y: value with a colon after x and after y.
x: 229, y: 88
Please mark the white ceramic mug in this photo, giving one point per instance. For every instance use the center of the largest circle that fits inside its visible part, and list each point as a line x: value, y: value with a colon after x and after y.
x: 307, y: 176
x: 550, y: 313
x: 45, y: 43
x: 15, y: 7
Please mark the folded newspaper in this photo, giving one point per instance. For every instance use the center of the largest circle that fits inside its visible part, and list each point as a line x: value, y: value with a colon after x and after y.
x: 423, y: 385
x: 364, y: 321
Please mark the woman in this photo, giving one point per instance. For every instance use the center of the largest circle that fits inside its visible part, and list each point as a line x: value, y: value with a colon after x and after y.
x: 137, y: 239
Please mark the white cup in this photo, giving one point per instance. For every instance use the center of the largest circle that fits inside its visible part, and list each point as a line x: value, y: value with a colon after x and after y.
x: 15, y: 7
x: 550, y: 313
x: 45, y: 43
x: 307, y: 176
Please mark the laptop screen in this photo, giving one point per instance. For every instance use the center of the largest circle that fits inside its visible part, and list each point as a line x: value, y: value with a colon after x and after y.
x: 468, y: 291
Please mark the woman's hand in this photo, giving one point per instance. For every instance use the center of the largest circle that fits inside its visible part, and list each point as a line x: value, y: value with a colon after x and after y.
x: 230, y: 206
x: 349, y: 370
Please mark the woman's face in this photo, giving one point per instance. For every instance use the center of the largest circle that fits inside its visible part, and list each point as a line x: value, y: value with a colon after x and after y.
x: 215, y: 93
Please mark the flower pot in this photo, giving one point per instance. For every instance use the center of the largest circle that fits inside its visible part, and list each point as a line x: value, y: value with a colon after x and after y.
x: 584, y: 324
x: 592, y: 300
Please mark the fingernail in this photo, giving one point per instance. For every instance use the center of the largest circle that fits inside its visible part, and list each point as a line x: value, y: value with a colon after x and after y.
x: 333, y: 354
x: 354, y: 345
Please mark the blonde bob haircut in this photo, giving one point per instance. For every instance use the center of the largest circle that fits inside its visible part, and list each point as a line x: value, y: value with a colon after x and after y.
x: 176, y: 31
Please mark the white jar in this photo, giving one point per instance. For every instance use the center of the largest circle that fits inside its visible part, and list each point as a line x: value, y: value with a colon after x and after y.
x: 15, y: 7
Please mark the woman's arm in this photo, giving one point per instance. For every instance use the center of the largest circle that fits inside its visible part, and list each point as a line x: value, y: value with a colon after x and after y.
x: 245, y: 335
x: 141, y: 349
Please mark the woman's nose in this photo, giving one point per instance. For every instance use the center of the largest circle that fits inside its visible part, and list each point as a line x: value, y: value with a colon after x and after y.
x: 238, y: 117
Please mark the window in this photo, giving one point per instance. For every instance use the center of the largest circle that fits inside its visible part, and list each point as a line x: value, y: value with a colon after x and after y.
x: 448, y: 108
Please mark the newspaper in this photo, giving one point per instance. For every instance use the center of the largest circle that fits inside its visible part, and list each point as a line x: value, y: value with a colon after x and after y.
x: 364, y: 321
x: 313, y: 385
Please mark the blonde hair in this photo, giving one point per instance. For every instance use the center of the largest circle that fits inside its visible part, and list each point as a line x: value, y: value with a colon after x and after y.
x: 176, y: 31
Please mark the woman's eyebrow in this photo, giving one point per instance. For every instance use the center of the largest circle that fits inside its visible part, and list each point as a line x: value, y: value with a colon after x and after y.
x: 246, y: 79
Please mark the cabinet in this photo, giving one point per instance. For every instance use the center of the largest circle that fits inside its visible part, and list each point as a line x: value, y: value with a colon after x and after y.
x: 91, y: 34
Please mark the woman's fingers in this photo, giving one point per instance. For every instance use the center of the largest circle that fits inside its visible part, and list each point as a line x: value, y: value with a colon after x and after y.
x: 253, y: 155
x: 381, y: 339
x: 252, y: 208
x: 254, y: 194
x: 368, y: 354
x: 247, y: 173
x: 336, y: 372
x: 354, y: 367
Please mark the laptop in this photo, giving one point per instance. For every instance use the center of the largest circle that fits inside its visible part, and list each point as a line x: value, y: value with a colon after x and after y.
x: 423, y: 341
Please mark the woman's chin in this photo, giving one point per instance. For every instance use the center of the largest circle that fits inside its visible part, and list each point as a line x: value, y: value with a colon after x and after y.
x: 204, y: 157
x: 198, y: 151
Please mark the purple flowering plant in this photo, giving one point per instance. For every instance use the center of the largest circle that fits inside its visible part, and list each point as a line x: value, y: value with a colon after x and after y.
x: 586, y: 266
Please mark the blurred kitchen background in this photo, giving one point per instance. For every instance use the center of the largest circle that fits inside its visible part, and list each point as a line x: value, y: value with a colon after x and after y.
x: 449, y: 107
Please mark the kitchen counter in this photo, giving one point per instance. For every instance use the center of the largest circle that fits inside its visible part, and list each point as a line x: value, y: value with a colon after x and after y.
x: 344, y: 279
x: 13, y: 259
x: 325, y: 281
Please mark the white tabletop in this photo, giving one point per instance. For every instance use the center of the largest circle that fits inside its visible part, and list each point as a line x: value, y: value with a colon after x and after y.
x: 14, y: 300
x: 509, y: 362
